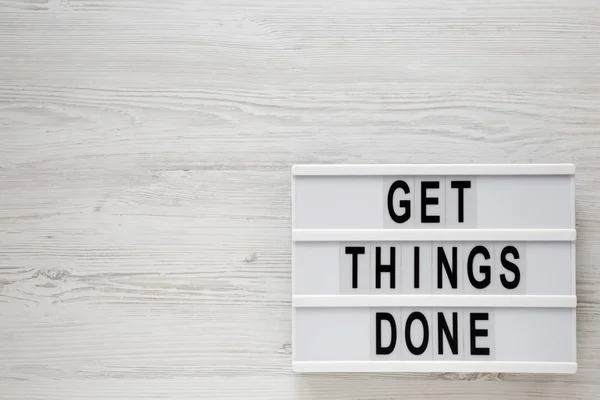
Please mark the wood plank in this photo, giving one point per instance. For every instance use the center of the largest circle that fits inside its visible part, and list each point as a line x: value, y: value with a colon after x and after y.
x: 145, y: 154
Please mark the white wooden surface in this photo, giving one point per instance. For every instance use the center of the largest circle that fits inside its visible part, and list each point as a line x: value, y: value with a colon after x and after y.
x: 145, y: 153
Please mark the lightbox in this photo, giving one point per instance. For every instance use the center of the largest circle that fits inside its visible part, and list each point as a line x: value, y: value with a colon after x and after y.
x: 433, y: 268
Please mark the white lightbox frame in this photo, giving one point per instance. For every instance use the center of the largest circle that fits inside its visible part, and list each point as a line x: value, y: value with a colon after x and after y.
x: 345, y: 235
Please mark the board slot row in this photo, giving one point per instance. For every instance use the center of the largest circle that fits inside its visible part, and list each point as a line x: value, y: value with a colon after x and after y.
x: 458, y: 300
x: 436, y: 366
x: 431, y: 169
x: 419, y: 235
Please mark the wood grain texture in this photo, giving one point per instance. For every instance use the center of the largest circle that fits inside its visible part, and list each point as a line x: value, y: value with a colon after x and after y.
x: 145, y: 151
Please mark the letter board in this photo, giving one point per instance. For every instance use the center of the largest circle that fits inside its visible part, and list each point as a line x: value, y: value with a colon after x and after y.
x: 433, y: 268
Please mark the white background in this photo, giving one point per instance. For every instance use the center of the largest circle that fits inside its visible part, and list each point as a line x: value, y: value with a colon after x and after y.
x: 145, y: 154
x: 514, y: 334
x: 545, y: 269
x: 493, y: 202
